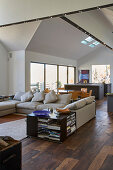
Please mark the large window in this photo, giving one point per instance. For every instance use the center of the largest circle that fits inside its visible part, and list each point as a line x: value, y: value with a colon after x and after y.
x: 51, y: 77
x: 100, y: 73
x: 37, y: 76
x: 71, y: 75
x: 62, y: 76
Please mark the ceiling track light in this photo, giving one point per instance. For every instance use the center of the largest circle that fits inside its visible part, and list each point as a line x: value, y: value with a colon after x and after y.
x: 59, y: 15
x: 98, y: 8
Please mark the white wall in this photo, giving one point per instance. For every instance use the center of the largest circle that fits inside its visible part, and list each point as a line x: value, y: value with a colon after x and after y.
x: 17, y: 72
x: 20, y: 10
x: 42, y: 58
x: 101, y: 56
x: 3, y: 70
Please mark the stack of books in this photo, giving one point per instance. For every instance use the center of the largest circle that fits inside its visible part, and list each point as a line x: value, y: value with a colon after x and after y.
x: 71, y: 127
x: 47, y: 128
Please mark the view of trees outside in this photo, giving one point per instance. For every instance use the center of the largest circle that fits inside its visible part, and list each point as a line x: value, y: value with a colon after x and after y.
x: 71, y: 75
x: 51, y: 77
x: 100, y: 73
x: 62, y: 75
x: 37, y: 76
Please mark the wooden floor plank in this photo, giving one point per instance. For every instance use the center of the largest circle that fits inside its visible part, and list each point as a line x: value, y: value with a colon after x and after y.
x: 67, y: 164
x: 11, y: 117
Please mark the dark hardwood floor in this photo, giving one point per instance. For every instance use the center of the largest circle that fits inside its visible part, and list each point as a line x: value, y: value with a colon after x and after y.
x: 90, y: 148
x: 12, y: 117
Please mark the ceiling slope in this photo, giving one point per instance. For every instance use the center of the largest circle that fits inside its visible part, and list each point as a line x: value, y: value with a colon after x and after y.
x: 58, y: 38
x: 17, y: 37
x: 96, y: 24
x: 22, y: 10
x: 108, y: 13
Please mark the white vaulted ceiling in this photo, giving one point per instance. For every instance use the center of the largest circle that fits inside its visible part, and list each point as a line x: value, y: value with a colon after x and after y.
x: 95, y: 23
x: 108, y: 12
x: 56, y: 37
x: 22, y: 10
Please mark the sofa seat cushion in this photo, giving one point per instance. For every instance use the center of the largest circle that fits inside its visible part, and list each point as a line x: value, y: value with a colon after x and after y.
x: 28, y: 105
x: 6, y: 105
x: 50, y: 105
x: 14, y: 102
x: 76, y: 105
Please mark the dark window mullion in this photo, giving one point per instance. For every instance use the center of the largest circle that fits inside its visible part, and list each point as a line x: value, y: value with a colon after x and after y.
x: 67, y: 74
x: 57, y: 77
x: 74, y: 74
x: 44, y: 76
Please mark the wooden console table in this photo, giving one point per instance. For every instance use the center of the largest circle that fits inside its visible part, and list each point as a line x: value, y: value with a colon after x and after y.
x: 53, y: 127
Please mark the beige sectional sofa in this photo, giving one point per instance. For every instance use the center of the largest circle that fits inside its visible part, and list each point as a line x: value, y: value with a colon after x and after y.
x: 8, y: 107
x: 84, y: 108
x: 11, y: 106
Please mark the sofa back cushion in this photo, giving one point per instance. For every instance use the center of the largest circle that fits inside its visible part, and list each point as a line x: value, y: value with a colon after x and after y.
x: 90, y: 99
x: 27, y: 96
x: 50, y: 97
x: 76, y: 105
x: 38, y: 97
x: 64, y: 98
x: 18, y: 96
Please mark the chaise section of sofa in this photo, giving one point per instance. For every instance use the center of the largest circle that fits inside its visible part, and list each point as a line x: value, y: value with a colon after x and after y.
x: 8, y: 107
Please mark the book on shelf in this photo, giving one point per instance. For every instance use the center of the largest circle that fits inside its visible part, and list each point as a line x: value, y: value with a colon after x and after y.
x: 52, y: 126
x: 52, y: 138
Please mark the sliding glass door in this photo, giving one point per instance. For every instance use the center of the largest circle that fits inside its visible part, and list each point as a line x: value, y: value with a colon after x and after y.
x: 37, y: 76
x: 62, y: 75
x: 71, y: 75
x: 50, y: 76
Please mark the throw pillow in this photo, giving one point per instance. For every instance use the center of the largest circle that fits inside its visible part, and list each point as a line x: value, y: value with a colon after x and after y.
x: 90, y: 99
x: 27, y: 96
x: 50, y: 97
x: 76, y: 105
x: 18, y: 95
x: 64, y: 98
x: 38, y: 97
